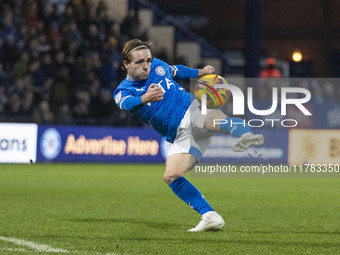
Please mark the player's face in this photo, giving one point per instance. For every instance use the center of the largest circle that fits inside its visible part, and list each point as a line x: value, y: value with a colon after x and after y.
x: 139, y: 66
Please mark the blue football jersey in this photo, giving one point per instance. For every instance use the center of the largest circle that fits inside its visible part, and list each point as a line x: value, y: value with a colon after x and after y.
x: 165, y: 115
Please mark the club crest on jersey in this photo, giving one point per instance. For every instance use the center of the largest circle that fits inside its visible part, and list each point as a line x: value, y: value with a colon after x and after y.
x: 160, y: 70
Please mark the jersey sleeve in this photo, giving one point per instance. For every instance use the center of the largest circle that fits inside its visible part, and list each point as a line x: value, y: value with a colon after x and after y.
x: 180, y: 72
x: 126, y: 100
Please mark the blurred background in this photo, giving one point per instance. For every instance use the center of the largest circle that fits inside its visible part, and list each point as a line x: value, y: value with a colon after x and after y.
x: 59, y: 59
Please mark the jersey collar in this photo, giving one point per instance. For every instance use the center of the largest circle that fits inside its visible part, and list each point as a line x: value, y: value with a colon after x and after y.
x: 129, y: 79
x: 134, y: 82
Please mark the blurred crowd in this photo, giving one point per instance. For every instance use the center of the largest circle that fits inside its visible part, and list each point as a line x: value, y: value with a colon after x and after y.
x: 59, y: 63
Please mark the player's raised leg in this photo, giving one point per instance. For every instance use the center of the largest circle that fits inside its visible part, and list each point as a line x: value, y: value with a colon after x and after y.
x: 218, y: 122
x: 176, y: 166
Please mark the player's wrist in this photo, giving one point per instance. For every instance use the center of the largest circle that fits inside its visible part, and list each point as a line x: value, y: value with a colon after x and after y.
x: 201, y: 73
x: 144, y: 99
x: 206, y: 70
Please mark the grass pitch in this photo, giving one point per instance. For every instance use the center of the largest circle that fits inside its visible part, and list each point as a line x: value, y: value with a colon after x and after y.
x: 128, y: 209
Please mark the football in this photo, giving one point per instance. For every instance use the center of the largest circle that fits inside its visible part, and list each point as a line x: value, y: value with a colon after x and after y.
x: 216, y: 97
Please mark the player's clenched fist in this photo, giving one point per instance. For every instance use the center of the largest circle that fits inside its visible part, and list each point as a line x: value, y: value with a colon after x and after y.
x: 154, y: 94
x: 206, y: 70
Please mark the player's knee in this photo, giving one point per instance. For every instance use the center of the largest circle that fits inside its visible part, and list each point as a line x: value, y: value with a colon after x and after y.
x: 211, y: 120
x: 170, y: 176
x: 176, y: 166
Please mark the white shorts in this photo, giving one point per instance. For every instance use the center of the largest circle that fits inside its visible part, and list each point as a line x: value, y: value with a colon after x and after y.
x: 192, y: 136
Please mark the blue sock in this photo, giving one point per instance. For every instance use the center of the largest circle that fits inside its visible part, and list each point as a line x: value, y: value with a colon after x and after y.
x: 190, y: 195
x: 235, y: 126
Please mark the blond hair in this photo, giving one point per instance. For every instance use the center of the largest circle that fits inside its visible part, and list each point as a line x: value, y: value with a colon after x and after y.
x: 129, y: 47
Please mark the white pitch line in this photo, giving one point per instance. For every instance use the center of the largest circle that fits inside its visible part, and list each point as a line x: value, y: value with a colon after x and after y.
x: 33, y: 245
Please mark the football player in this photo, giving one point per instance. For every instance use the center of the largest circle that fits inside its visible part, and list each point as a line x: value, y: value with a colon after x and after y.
x: 151, y: 93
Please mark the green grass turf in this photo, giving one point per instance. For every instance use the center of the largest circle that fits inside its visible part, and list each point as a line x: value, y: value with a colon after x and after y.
x: 127, y: 209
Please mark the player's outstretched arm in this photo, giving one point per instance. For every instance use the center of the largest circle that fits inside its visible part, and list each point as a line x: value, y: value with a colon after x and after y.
x: 206, y: 70
x: 180, y: 72
x: 154, y: 94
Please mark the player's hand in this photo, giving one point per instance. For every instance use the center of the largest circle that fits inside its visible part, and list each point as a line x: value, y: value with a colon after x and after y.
x: 154, y: 94
x: 206, y: 70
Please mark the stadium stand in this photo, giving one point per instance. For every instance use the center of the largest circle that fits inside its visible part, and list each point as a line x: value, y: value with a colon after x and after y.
x: 59, y: 60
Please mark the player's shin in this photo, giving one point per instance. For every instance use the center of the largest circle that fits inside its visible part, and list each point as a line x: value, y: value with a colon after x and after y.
x: 235, y: 126
x: 190, y: 195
